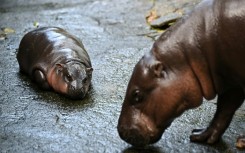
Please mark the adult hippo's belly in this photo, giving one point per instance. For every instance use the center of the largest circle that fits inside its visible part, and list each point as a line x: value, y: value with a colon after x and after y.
x: 201, y: 56
x: 56, y: 60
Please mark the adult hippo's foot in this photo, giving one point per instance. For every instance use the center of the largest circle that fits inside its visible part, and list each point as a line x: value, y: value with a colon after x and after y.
x: 222, y: 118
x: 209, y: 135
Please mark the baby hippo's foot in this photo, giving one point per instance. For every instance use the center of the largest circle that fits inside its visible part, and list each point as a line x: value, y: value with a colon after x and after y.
x: 240, y: 143
x: 208, y: 135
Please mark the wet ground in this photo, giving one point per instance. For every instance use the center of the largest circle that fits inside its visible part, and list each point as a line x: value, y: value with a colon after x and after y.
x: 116, y: 35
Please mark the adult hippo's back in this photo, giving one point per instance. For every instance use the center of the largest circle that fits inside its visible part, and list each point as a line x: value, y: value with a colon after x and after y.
x: 202, y: 55
x: 56, y: 60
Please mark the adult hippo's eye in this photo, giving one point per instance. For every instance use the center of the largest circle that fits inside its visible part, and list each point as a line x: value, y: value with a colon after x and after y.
x: 137, y: 96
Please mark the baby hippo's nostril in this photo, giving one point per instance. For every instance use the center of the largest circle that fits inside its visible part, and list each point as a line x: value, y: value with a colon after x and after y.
x: 76, y: 93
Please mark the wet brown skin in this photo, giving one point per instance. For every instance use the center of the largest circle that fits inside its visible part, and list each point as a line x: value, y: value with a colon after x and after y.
x: 55, y: 59
x: 201, y: 56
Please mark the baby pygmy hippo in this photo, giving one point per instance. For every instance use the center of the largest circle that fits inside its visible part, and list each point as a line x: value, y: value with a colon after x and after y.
x: 55, y: 59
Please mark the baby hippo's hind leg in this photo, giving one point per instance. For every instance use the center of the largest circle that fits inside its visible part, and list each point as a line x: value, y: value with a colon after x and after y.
x: 40, y: 79
x: 228, y: 102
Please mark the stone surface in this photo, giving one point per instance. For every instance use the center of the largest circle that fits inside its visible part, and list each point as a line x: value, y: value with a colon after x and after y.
x: 116, y: 35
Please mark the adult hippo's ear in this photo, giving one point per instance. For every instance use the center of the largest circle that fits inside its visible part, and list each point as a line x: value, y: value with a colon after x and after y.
x: 158, y: 69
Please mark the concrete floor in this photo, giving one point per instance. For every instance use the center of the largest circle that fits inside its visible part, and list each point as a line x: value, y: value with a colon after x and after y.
x: 115, y: 34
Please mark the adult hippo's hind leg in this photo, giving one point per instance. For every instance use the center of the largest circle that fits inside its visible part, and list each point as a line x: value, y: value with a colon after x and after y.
x: 228, y: 102
x: 40, y: 79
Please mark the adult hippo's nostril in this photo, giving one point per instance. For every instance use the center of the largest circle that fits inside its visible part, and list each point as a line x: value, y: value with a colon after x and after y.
x: 134, y: 136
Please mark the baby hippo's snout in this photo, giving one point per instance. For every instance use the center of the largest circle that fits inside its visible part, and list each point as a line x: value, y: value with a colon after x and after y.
x: 76, y: 93
x: 77, y: 89
x: 78, y: 79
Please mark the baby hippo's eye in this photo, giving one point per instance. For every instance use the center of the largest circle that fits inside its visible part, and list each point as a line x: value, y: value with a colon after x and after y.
x: 137, y: 96
x: 58, y: 70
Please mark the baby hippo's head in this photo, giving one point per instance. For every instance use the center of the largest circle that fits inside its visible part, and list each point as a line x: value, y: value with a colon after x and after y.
x: 72, y: 79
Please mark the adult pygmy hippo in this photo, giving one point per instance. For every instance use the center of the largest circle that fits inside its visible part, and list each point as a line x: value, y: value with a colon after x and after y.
x: 201, y: 56
x: 56, y: 60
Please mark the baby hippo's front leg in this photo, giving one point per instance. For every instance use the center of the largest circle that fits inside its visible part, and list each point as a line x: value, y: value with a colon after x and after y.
x: 40, y: 79
x: 228, y: 102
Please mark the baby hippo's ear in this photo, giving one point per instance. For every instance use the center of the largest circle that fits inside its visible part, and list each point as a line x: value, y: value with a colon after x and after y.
x: 89, y: 70
x: 158, y: 69
x: 60, y: 67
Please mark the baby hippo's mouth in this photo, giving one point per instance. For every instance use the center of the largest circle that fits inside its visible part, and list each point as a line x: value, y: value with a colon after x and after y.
x: 74, y: 93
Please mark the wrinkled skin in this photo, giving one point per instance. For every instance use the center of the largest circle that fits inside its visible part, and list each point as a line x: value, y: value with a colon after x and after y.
x: 56, y: 60
x: 201, y: 56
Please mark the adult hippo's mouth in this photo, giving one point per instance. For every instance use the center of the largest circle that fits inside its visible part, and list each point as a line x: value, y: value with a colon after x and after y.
x: 140, y: 130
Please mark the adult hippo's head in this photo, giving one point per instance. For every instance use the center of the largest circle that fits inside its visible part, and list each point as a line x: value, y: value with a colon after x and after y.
x: 159, y: 91
x: 71, y: 79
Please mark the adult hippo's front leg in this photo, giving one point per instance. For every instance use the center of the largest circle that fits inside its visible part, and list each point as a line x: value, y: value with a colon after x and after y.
x: 223, y: 116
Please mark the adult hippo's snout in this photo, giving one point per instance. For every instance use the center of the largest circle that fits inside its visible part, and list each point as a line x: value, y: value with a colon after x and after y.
x: 138, y: 129
x: 135, y: 136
